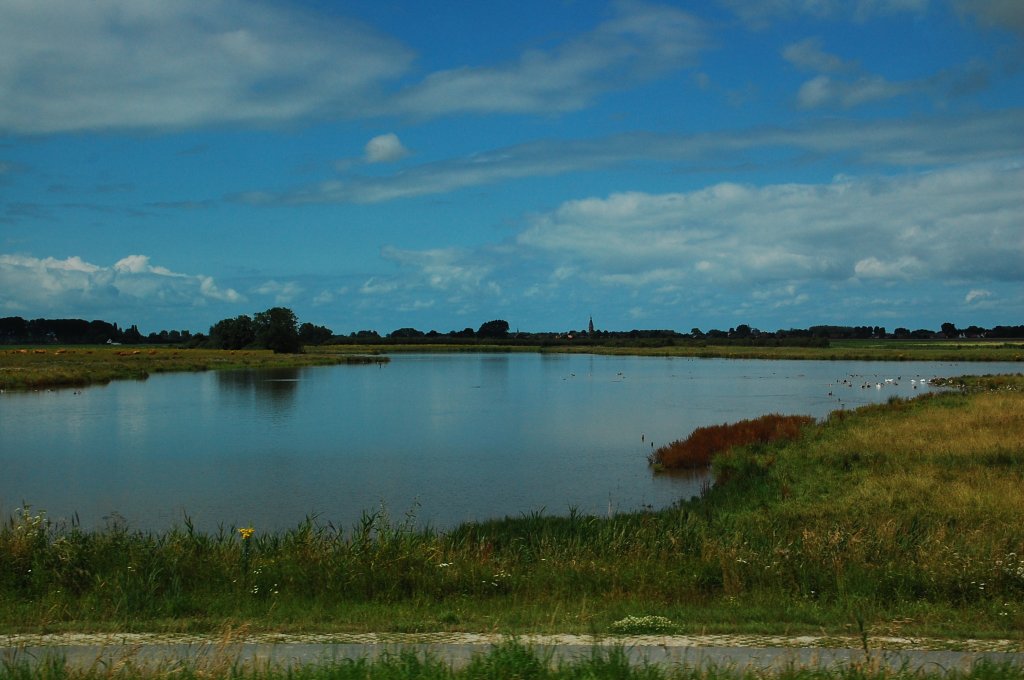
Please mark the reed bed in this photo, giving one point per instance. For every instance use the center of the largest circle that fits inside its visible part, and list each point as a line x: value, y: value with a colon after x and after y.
x: 704, y: 443
x: 902, y: 517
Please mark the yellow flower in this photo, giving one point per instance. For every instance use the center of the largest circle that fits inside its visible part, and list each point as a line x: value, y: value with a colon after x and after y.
x: 246, y: 532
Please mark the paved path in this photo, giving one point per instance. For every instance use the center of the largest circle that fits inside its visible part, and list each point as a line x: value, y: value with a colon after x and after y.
x: 746, y: 651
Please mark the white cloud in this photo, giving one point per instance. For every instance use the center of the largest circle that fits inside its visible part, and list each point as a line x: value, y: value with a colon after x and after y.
x: 124, y: 64
x: 1006, y: 13
x: 130, y: 64
x: 385, y: 149
x: 445, y: 269
x: 283, y: 292
x: 976, y: 295
x: 825, y: 91
x: 904, y: 267
x: 761, y: 13
x: 73, y: 286
x: 639, y: 42
x: 808, y: 54
x: 960, y: 222
x: 921, y: 142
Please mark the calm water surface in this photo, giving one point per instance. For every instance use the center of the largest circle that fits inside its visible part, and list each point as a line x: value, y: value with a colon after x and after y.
x: 450, y: 438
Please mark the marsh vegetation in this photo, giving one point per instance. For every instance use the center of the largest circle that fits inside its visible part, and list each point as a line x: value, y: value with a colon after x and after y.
x: 77, y: 366
x: 903, y: 518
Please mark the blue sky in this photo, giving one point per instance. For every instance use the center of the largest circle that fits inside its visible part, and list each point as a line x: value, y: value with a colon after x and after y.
x: 376, y: 164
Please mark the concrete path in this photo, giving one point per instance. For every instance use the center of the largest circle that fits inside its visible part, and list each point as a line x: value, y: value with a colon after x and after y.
x: 741, y: 652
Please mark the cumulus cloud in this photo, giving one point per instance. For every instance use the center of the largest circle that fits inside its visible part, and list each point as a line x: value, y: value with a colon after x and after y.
x: 977, y: 295
x: 129, y: 64
x: 961, y: 222
x: 385, y: 149
x: 50, y: 286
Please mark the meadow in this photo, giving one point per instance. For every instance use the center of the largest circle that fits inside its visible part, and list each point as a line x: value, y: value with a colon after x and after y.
x: 897, y: 519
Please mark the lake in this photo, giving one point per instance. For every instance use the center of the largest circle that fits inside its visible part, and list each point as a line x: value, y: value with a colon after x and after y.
x: 440, y: 438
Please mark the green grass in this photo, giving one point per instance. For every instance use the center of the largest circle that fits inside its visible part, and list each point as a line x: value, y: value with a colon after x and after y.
x: 67, y: 366
x: 903, y: 517
x: 837, y: 350
x: 507, y: 661
x: 57, y: 366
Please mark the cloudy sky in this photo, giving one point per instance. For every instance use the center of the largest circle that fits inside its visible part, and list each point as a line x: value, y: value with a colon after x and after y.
x: 376, y: 164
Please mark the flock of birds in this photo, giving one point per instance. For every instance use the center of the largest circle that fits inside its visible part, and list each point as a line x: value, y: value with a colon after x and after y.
x: 866, y: 384
x: 849, y: 382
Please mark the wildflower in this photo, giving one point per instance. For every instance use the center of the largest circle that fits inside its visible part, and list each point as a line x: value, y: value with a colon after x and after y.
x: 246, y: 532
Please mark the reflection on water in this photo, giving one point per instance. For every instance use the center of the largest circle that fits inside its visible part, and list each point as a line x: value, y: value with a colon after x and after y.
x: 458, y: 437
x: 273, y: 387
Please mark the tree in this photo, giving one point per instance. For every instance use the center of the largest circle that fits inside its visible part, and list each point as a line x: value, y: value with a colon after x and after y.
x: 277, y: 329
x: 236, y: 333
x: 405, y: 333
x: 493, y: 329
x: 949, y: 330
x: 314, y: 335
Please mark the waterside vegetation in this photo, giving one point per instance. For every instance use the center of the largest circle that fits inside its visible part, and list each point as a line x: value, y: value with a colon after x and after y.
x: 77, y: 366
x: 901, y: 518
x: 835, y: 350
x: 706, y: 443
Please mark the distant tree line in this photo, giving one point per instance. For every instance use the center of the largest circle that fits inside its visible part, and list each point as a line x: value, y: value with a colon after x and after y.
x: 742, y: 334
x: 278, y: 329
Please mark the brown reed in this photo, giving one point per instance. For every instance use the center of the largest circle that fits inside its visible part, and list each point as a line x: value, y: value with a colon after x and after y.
x: 697, y: 450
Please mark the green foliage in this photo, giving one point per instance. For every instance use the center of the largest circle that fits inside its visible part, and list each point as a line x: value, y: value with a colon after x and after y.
x: 314, y: 335
x: 496, y: 329
x: 237, y: 333
x: 277, y: 329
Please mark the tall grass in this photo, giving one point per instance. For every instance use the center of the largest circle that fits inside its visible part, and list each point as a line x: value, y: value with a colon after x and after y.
x: 905, y: 516
x: 704, y: 443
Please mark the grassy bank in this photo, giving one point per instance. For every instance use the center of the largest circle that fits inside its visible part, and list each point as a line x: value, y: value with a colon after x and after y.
x: 54, y: 366
x: 903, y: 518
x: 838, y: 350
x: 508, y: 661
x: 76, y: 366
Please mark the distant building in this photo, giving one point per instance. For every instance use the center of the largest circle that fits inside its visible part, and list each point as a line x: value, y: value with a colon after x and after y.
x: 590, y: 326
